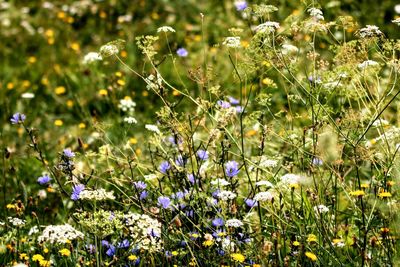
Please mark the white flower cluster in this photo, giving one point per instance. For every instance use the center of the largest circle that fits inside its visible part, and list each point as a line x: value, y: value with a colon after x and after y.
x: 268, y: 163
x: 220, y: 182
x: 165, y: 29
x: 60, y: 234
x: 108, y: 50
x: 316, y: 13
x: 396, y: 21
x: 369, y: 31
x: 264, y: 196
x: 233, y: 42
x: 127, y: 105
x: 153, y: 82
x: 98, y: 194
x: 16, y: 221
x: 291, y: 179
x: 367, y: 63
x: 226, y: 195
x: 321, y: 209
x: 91, y: 57
x: 289, y: 49
x: 234, y: 223
x: 145, y: 231
x: 268, y: 27
x: 153, y: 128
x: 130, y: 120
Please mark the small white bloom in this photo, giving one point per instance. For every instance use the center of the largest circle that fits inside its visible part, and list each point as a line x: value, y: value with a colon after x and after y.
x: 91, y: 57
x: 16, y: 221
x: 153, y: 128
x: 264, y: 183
x: 28, y: 95
x: 234, y: 223
x: 268, y: 27
x: 396, y: 21
x: 127, y: 105
x: 130, y: 120
x: 109, y: 50
x: 150, y: 177
x: 264, y: 196
x: 397, y: 8
x: 289, y: 49
x: 321, y: 209
x: 165, y: 29
x: 98, y: 194
x: 291, y: 178
x: 316, y: 13
x: 220, y: 182
x: 367, y: 63
x: 33, y: 230
x: 233, y: 42
x: 60, y: 234
x: 369, y: 31
x: 268, y: 163
x: 226, y: 195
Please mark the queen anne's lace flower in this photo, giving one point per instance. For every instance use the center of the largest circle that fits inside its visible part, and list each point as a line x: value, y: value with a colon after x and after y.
x: 165, y: 29
x: 91, y: 57
x: 233, y: 42
x: 226, y: 195
x: 369, y: 31
x: 98, y: 194
x: 367, y: 63
x: 234, y: 223
x: 316, y: 13
x: 264, y: 196
x: 60, y: 234
x: 268, y: 27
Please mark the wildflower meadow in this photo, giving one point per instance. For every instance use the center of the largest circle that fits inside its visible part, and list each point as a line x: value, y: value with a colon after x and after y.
x: 199, y: 133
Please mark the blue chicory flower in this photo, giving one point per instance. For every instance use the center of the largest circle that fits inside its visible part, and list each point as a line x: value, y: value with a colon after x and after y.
x: 182, y: 52
x: 233, y: 100
x: 217, y: 222
x: 231, y: 168
x: 124, y: 244
x: 164, y: 167
x: 42, y: 180
x: 202, y: 154
x: 164, y: 202
x: 17, y: 118
x: 250, y: 202
x: 143, y: 195
x: 76, y: 190
x: 223, y: 104
x: 240, y: 5
x: 140, y: 185
x: 111, y: 250
x: 68, y: 153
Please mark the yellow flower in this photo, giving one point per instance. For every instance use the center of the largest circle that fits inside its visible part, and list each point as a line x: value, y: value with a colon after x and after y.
x: 26, y: 83
x: 10, y: 206
x: 365, y: 185
x: 133, y: 141
x: 45, y: 250
x: 61, y: 15
x: 311, y: 256
x: 357, y: 193
x: 45, y: 263
x: 296, y: 243
x: 23, y: 256
x: 65, y: 252
x: 32, y: 60
x: 103, y: 92
x: 60, y: 90
x: 145, y: 93
x: 75, y: 46
x: 175, y: 253
x: 390, y: 183
x: 58, y: 122
x: 238, y: 257
x: 124, y: 54
x: 120, y: 82
x: 311, y: 238
x: 10, y: 86
x: 118, y: 74
x: 384, y: 194
x: 208, y: 243
x: 70, y: 103
x: 82, y: 125
x: 132, y: 257
x: 37, y: 257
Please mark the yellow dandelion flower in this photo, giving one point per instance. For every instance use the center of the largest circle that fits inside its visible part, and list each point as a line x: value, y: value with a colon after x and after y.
x: 124, y: 54
x: 364, y: 185
x: 45, y: 263
x: 118, y: 74
x: 50, y: 41
x: 311, y: 238
x: 58, y: 122
x: 296, y: 243
x: 175, y: 253
x: 45, y: 250
x: 59, y: 90
x: 49, y: 33
x: 357, y: 193
x: 311, y: 256
x: 61, y: 15
x: 10, y: 206
x: 65, y: 252
x: 238, y: 257
x: 82, y: 125
x: 76, y: 47
x: 26, y: 83
x: 121, y: 82
x: 133, y: 141
x: 70, y: 20
x: 32, y: 60
x: 138, y: 151
x: 132, y: 257
x: 37, y: 257
x: 208, y: 243
x: 70, y: 103
x: 23, y: 256
x: 145, y: 93
x: 10, y: 86
x: 245, y: 44
x: 103, y: 92
x: 384, y: 194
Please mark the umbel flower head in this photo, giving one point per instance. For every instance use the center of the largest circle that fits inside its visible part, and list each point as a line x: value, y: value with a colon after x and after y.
x: 112, y: 48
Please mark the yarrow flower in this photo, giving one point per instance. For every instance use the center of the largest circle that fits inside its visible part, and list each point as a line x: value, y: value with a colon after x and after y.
x: 226, y: 195
x: 152, y: 128
x: 182, y: 52
x: 316, y: 13
x: 76, y: 191
x: 17, y: 118
x: 60, y: 234
x: 367, y: 63
x: 42, y: 180
x: 98, y: 194
x: 231, y: 168
x: 108, y: 50
x: 91, y: 57
x: 233, y: 42
x: 369, y: 31
x: 321, y: 209
x: 165, y: 29
x: 130, y: 120
x: 264, y: 196
x: 267, y: 27
x: 235, y: 223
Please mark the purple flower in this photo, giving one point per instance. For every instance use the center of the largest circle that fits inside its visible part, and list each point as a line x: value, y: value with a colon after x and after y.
x: 317, y: 161
x: 111, y: 250
x: 164, y: 202
x: 202, y: 154
x: 105, y: 243
x: 17, y: 118
x: 124, y: 244
x: 68, y: 153
x: 223, y: 104
x: 91, y: 248
x: 180, y: 161
x: 143, y: 195
x: 233, y: 100
x: 164, y: 167
x: 191, y: 178
x: 76, y: 190
x: 182, y: 52
x: 140, y: 185
x: 231, y: 168
x: 240, y: 5
x: 179, y: 195
x: 239, y: 109
x: 250, y: 202
x: 217, y: 222
x: 43, y: 179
